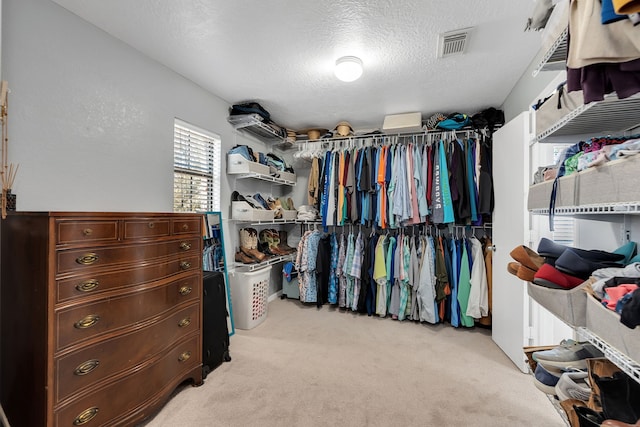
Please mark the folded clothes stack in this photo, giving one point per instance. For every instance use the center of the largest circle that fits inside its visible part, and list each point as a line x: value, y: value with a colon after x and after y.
x: 308, y: 213
x: 562, y: 267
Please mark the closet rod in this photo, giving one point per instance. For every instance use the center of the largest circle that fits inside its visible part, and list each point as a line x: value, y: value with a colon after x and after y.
x: 330, y: 143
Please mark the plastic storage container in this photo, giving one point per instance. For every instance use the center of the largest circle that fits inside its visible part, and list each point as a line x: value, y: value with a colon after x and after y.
x: 249, y: 297
x: 290, y: 288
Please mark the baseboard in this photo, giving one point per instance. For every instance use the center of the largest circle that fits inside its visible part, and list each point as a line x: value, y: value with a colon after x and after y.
x: 275, y: 296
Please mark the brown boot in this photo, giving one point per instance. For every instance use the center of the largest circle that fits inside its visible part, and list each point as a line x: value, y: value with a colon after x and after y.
x: 281, y: 237
x: 266, y: 238
x: 249, y: 244
x: 244, y: 258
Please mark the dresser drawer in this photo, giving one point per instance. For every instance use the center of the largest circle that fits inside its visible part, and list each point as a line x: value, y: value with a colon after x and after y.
x: 92, y: 364
x: 73, y: 232
x: 85, y: 285
x: 86, y: 259
x: 76, y: 324
x: 186, y: 226
x: 136, y: 229
x: 114, y: 403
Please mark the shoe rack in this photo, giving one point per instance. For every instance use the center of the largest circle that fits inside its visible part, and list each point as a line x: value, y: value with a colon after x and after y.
x: 605, y: 203
x: 260, y: 179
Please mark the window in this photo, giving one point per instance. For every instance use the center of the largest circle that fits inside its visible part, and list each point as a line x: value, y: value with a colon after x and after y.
x: 196, y: 169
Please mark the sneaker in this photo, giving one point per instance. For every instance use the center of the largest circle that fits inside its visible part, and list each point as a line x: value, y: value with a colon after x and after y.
x: 546, y: 379
x: 568, y: 355
x: 573, y: 385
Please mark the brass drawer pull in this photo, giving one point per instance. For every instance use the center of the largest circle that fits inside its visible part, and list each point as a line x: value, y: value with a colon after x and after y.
x: 87, y: 321
x: 185, y: 227
x: 184, y: 322
x: 151, y: 225
x: 185, y: 290
x: 87, y: 231
x: 87, y: 259
x: 184, y: 356
x: 86, y: 367
x: 185, y: 265
x: 185, y: 246
x: 85, y: 416
x: 87, y: 285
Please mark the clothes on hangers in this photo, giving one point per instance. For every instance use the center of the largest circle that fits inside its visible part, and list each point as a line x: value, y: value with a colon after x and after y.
x: 406, y: 182
x: 429, y: 278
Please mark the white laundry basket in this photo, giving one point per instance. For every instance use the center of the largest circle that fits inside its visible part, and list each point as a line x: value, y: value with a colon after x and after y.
x: 249, y: 297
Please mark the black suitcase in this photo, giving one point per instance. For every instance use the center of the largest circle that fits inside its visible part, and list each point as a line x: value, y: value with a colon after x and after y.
x: 215, y: 334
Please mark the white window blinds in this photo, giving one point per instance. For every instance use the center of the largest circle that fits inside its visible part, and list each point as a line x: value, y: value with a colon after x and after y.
x: 196, y: 169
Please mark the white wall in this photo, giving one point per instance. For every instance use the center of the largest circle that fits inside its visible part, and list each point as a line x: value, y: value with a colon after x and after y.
x: 90, y: 118
x: 527, y: 88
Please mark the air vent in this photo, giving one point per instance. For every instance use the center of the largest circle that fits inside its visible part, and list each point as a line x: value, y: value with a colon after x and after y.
x: 453, y: 42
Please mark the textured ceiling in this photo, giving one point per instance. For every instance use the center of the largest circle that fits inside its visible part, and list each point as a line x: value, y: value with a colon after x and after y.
x: 281, y: 52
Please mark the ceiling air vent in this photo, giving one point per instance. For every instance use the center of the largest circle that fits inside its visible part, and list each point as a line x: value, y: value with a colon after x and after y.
x: 453, y: 42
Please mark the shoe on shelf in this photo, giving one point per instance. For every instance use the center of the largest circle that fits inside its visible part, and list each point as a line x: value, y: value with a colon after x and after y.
x: 257, y: 197
x: 549, y: 249
x: 527, y: 257
x: 620, y: 397
x: 513, y: 267
x: 249, y: 244
x: 628, y: 250
x: 267, y: 239
x: 550, y: 277
x: 276, y: 207
x: 568, y: 355
x: 283, y: 241
x: 587, y: 417
x: 244, y: 258
x: 545, y: 379
x: 568, y: 407
x: 521, y: 271
x: 573, y: 385
x: 571, y: 262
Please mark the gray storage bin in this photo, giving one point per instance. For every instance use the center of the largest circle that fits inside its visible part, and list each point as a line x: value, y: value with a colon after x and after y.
x: 570, y: 306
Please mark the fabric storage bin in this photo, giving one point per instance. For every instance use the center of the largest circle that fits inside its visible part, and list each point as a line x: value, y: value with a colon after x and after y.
x: 615, y: 180
x: 288, y: 176
x: 249, y: 297
x: 540, y: 194
x: 237, y: 163
x: 570, y: 306
x: 606, y: 324
x: 243, y: 211
x: 549, y: 114
x: 289, y: 215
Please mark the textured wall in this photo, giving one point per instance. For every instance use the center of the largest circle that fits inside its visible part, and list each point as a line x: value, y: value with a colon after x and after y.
x: 90, y: 118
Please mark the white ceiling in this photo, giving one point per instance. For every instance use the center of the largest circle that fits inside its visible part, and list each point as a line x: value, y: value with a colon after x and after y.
x: 281, y: 52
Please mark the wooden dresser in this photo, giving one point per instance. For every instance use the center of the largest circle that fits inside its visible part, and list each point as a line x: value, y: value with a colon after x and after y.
x: 100, y: 315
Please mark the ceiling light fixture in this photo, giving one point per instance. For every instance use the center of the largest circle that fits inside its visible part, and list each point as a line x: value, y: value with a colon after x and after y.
x: 348, y: 68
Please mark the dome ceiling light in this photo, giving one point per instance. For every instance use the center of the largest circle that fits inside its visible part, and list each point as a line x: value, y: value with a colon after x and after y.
x: 348, y: 68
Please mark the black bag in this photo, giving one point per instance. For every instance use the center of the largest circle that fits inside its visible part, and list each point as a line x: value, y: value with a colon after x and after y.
x: 250, y: 108
x: 215, y: 334
x: 489, y: 118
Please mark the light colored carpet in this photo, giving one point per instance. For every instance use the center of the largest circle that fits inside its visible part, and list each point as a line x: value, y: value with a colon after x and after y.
x: 308, y: 367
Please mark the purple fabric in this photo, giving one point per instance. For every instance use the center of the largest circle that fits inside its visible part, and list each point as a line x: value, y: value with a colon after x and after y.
x: 597, y: 80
